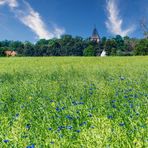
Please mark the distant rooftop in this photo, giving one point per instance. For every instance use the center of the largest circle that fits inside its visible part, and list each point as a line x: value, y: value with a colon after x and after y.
x: 95, y: 36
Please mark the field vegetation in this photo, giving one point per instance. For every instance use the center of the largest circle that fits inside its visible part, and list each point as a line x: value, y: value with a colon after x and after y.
x: 73, y: 102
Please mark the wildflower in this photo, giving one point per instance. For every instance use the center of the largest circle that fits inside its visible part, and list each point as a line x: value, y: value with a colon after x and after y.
x: 69, y: 127
x: 50, y: 129
x: 90, y: 115
x: 57, y: 109
x: 92, y: 127
x: 125, y: 97
x: 131, y: 105
x: 28, y: 126
x: 69, y: 117
x: 74, y: 103
x: 90, y: 88
x: 22, y: 106
x: 135, y: 96
x: 113, y: 101
x: 82, y: 103
x: 63, y: 108
x: 91, y: 93
x: 17, y: 115
x: 114, y: 106
x: 32, y: 146
x: 110, y: 117
x: 6, y: 141
x: 61, y: 127
x: 78, y: 131
x: 84, y: 123
x: 51, y: 142
x: 121, y: 124
x: 25, y: 136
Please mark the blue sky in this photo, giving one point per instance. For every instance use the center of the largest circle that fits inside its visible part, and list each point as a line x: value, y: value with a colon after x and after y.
x: 35, y: 19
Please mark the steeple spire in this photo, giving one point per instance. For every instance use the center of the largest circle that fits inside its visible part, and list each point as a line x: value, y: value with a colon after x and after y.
x: 95, y: 36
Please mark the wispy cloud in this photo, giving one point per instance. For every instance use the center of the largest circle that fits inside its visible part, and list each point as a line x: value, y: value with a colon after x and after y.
x: 114, y: 21
x: 10, y: 3
x: 32, y: 19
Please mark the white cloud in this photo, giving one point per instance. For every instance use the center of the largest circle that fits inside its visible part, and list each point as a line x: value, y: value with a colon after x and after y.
x: 11, y: 3
x: 32, y: 19
x: 58, y: 31
x: 114, y: 21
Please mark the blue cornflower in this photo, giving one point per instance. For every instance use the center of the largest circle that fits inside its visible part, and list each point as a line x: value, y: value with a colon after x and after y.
x: 69, y: 117
x: 121, y: 124
x: 110, y: 117
x: 90, y: 115
x: 28, y: 126
x: 63, y: 108
x: 113, y: 101
x: 61, y: 127
x: 90, y: 93
x: 114, y: 106
x: 50, y: 129
x: 130, y: 89
x: 78, y: 131
x: 82, y: 103
x: 131, y: 105
x: 93, y: 127
x: 57, y: 109
x: 84, y: 123
x: 22, y: 106
x: 125, y: 97
x: 116, y: 94
x: 32, y: 146
x: 51, y: 142
x: 69, y: 127
x: 25, y: 136
x: 90, y: 88
x: 6, y: 141
x: 74, y: 103
x: 81, y: 98
x: 17, y: 115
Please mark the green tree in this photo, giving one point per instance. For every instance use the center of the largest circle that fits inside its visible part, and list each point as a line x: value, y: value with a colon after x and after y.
x: 1, y: 51
x: 142, y: 47
x: 89, y: 51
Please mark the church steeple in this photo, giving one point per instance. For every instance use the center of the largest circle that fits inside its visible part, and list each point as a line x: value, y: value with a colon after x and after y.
x: 95, y: 36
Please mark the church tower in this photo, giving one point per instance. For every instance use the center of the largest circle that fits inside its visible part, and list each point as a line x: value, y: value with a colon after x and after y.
x: 95, y: 36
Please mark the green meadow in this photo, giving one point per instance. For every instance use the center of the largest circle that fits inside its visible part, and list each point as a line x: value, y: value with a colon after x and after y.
x: 74, y: 102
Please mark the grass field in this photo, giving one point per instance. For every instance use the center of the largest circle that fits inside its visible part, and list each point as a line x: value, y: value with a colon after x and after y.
x: 74, y: 102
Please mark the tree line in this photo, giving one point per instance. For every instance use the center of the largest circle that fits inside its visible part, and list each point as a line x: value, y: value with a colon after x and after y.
x: 68, y: 45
